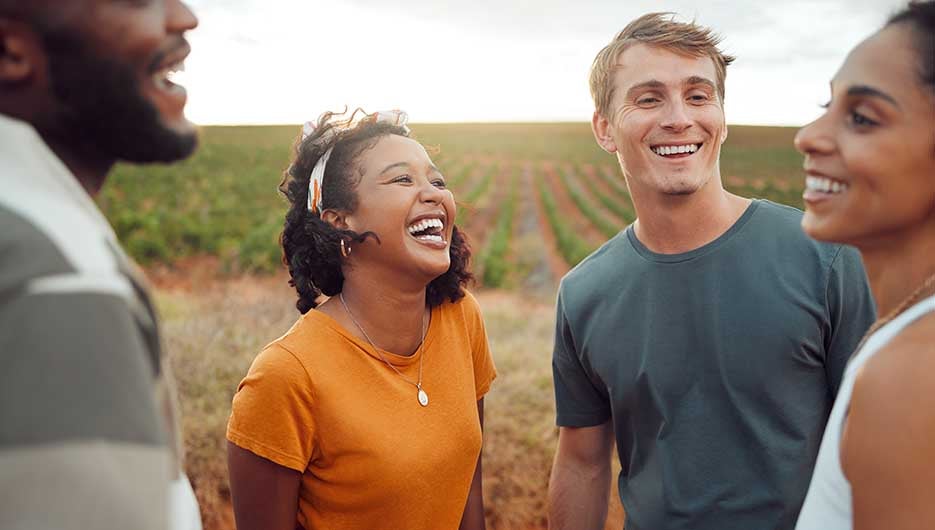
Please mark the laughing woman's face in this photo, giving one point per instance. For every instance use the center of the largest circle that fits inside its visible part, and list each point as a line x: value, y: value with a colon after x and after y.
x: 870, y: 159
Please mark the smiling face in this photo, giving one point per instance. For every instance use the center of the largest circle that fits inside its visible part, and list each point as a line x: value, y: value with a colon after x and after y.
x: 870, y: 159
x: 109, y: 69
x: 403, y: 199
x: 666, y: 122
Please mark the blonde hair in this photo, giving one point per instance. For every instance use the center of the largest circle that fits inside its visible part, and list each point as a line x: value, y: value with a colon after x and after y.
x: 656, y: 29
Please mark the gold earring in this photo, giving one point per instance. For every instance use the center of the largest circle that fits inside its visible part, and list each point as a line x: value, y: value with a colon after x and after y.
x: 345, y: 249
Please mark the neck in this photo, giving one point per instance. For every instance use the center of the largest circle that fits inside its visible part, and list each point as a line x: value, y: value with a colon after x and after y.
x: 90, y: 170
x: 392, y: 316
x: 673, y: 224
x: 897, y: 266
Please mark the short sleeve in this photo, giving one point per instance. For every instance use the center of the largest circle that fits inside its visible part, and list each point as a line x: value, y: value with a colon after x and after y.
x: 484, y: 369
x: 271, y: 414
x: 579, y: 401
x: 851, y: 311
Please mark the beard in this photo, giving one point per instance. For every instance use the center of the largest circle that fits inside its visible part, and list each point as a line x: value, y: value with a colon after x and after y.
x: 101, y: 108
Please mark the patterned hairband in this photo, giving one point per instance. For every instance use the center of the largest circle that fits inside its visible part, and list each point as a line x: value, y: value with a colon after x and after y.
x: 316, y: 179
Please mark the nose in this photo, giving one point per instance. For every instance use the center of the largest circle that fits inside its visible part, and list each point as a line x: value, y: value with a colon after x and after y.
x: 814, y: 138
x: 431, y: 193
x: 676, y: 118
x: 179, y: 17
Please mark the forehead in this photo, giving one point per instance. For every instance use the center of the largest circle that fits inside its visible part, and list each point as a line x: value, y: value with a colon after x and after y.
x: 393, y: 149
x: 644, y: 62
x: 887, y: 61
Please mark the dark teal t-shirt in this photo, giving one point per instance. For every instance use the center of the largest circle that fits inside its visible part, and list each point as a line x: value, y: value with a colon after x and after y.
x: 718, y: 367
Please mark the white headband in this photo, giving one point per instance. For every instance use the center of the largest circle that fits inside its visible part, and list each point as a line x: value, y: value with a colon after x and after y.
x: 316, y: 178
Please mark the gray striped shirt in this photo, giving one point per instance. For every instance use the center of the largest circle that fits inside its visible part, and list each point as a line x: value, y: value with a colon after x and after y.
x: 88, y: 435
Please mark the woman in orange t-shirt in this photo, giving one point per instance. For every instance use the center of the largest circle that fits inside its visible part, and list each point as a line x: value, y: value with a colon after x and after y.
x: 367, y: 413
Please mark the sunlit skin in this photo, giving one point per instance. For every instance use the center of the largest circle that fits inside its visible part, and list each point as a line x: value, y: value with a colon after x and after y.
x: 148, y: 36
x: 877, y: 138
x: 143, y: 36
x: 398, y: 185
x: 666, y: 98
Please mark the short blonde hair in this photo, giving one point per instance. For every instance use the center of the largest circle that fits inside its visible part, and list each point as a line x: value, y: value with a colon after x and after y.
x: 656, y: 29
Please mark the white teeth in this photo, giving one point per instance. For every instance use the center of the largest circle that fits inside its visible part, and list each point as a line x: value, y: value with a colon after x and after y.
x: 825, y: 185
x: 675, y: 149
x: 169, y: 76
x: 426, y: 224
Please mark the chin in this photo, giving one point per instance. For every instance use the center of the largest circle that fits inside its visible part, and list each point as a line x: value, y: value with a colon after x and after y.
x: 822, y: 229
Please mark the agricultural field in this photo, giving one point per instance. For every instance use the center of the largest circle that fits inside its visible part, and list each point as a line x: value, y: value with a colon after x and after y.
x: 534, y: 200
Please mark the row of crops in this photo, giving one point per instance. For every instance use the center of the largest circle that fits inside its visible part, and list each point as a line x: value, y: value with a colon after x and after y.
x: 224, y: 201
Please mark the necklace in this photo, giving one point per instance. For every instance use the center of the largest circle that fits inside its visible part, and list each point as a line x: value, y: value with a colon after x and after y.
x: 908, y: 302
x: 421, y: 395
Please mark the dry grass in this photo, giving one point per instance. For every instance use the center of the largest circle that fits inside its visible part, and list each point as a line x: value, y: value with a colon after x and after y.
x: 213, y: 331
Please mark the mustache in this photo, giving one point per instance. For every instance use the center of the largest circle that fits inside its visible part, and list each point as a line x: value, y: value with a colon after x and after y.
x: 178, y: 47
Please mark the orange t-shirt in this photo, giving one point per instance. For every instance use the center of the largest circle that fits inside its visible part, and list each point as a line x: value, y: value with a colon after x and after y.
x: 320, y: 401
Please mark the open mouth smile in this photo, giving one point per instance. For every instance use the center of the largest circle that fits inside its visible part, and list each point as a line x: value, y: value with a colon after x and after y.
x: 429, y: 230
x: 165, y: 75
x: 675, y: 150
x: 825, y: 185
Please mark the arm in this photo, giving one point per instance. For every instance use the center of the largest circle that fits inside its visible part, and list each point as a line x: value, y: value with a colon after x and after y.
x: 265, y: 495
x: 888, y: 445
x: 78, y: 417
x: 580, y: 482
x: 851, y: 311
x: 473, y: 518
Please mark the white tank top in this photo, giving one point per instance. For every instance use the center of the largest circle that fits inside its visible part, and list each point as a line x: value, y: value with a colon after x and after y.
x: 828, y: 502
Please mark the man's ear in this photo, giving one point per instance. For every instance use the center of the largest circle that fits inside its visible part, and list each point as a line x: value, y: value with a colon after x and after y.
x: 724, y: 134
x: 336, y: 219
x: 21, y: 53
x: 602, y: 132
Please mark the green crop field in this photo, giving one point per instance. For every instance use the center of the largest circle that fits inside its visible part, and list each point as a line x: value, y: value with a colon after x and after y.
x: 223, y: 201
x: 534, y: 199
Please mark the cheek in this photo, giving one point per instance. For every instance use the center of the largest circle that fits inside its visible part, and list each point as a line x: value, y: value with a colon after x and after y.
x: 449, y: 204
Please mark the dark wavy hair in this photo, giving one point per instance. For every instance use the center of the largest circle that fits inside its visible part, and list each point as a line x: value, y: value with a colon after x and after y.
x: 311, y: 246
x: 921, y: 18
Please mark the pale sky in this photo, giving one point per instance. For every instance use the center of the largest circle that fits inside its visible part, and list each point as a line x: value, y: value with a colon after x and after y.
x: 286, y: 61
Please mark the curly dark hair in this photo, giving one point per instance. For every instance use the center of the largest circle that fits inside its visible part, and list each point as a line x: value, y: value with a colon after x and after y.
x: 921, y: 18
x: 311, y: 246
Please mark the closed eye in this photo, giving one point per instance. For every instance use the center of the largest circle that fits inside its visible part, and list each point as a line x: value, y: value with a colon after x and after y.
x: 403, y: 178
x: 860, y: 120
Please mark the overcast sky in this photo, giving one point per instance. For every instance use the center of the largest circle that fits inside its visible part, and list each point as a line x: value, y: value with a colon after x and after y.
x: 286, y: 61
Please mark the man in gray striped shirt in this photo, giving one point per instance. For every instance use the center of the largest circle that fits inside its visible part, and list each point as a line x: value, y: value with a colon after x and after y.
x: 88, y: 436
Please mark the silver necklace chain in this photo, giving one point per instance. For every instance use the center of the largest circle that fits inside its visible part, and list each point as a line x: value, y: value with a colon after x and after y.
x: 422, y: 396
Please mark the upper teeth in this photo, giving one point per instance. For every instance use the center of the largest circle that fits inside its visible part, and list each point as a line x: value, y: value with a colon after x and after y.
x: 169, y: 74
x: 675, y: 149
x: 426, y: 224
x: 824, y: 185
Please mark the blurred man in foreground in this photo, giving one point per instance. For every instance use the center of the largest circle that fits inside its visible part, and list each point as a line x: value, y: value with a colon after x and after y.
x: 88, y: 435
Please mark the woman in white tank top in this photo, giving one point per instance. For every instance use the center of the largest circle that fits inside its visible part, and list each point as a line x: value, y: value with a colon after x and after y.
x: 870, y: 182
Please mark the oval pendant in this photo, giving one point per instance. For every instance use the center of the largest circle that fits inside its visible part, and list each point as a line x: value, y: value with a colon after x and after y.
x: 423, y: 398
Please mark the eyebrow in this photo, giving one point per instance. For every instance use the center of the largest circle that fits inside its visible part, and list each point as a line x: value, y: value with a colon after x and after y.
x: 406, y: 165
x: 655, y: 84
x: 869, y: 91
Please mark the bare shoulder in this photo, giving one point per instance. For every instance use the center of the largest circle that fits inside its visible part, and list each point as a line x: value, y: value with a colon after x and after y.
x: 904, y: 367
x: 887, y: 451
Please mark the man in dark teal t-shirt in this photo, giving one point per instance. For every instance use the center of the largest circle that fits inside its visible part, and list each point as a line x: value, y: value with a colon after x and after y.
x: 709, y: 337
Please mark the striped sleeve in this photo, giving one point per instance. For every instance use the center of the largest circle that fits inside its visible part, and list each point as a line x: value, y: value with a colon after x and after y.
x: 82, y: 442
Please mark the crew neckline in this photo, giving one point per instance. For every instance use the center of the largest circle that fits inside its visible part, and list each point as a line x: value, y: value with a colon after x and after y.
x: 393, y: 358
x: 707, y: 248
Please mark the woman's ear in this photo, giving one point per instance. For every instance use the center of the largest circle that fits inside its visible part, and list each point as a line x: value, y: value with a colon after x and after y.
x: 335, y: 218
